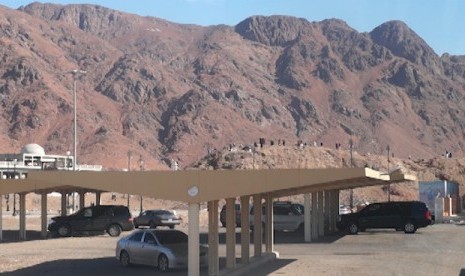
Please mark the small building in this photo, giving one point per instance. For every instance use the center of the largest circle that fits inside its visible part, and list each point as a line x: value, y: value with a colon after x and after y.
x: 33, y: 157
x: 447, y: 191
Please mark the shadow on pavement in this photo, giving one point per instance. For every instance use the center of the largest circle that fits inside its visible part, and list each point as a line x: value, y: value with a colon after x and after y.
x: 279, y: 238
x: 270, y: 267
x: 100, y: 266
x: 10, y: 236
x: 13, y: 236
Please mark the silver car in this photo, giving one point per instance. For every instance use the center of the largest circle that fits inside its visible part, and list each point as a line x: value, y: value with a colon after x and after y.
x: 165, y: 249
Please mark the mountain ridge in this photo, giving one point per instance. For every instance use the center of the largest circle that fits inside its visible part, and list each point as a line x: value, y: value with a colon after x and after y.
x: 171, y: 91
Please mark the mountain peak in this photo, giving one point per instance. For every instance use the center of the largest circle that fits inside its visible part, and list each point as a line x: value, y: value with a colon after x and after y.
x: 276, y: 30
x: 404, y: 42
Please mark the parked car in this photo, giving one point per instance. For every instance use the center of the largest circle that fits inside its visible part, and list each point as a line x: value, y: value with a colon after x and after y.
x: 155, y: 218
x: 286, y: 216
x: 237, y: 212
x: 165, y: 249
x: 406, y: 215
x: 297, y: 206
x: 94, y: 219
x: 344, y: 209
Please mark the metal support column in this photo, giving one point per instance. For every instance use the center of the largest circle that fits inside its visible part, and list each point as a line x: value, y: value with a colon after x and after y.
x: 43, y: 215
x: 245, y: 230
x: 269, y: 244
x: 213, y: 243
x: 307, y: 218
x: 22, y: 216
x: 230, y: 233
x: 257, y: 225
x: 193, y: 241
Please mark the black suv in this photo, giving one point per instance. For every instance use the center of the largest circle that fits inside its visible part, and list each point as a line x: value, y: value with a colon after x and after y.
x: 110, y: 218
x: 401, y: 215
x: 237, y: 213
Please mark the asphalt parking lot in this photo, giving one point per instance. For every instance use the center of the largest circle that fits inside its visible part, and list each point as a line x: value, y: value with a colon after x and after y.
x: 436, y: 250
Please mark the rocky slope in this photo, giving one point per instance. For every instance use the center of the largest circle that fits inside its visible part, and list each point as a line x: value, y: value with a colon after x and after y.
x: 278, y: 156
x: 169, y: 91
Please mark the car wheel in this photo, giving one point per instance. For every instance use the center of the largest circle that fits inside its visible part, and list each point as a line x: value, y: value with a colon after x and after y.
x: 171, y: 226
x: 352, y: 228
x: 114, y: 230
x: 64, y: 230
x: 163, y: 263
x: 136, y: 226
x: 409, y: 227
x: 152, y: 225
x: 124, y: 258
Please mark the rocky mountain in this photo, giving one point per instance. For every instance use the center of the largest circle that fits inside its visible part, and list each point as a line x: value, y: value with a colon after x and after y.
x: 169, y: 91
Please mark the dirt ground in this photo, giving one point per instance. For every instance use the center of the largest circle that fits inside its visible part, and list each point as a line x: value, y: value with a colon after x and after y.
x: 435, y: 250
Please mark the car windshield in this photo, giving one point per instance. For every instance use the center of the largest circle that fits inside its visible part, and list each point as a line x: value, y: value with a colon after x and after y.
x: 171, y: 237
x: 162, y: 212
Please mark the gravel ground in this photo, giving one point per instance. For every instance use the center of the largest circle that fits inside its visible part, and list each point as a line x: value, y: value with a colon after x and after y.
x: 436, y: 250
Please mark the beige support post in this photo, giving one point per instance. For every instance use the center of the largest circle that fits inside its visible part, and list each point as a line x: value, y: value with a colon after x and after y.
x: 98, y: 196
x: 257, y: 225
x: 63, y: 204
x: 335, y: 208
x: 22, y: 216
x: 230, y: 233
x: 307, y: 218
x: 314, y: 216
x: 193, y: 267
x: 213, y: 259
x: 327, y: 212
x: 269, y: 247
x: 1, y: 214
x: 43, y: 214
x: 82, y: 199
x: 245, y: 230
x: 321, y: 219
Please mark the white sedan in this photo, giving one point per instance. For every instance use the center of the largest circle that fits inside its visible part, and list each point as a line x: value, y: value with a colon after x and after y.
x: 165, y: 249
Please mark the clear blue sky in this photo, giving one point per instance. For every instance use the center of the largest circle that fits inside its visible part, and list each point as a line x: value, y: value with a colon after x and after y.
x: 439, y: 22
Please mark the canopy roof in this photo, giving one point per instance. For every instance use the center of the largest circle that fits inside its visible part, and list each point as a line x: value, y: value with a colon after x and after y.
x: 199, y: 186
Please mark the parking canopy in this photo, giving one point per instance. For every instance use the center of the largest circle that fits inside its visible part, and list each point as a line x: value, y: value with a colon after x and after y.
x: 193, y: 186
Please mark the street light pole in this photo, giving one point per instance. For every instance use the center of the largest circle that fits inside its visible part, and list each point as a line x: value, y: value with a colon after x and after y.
x: 388, y: 149
x: 129, y: 168
x: 14, y: 195
x: 75, y: 73
x: 141, y: 164
x: 351, y: 194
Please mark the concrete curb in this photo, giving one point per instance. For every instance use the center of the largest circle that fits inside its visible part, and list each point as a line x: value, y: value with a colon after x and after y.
x: 243, y: 269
